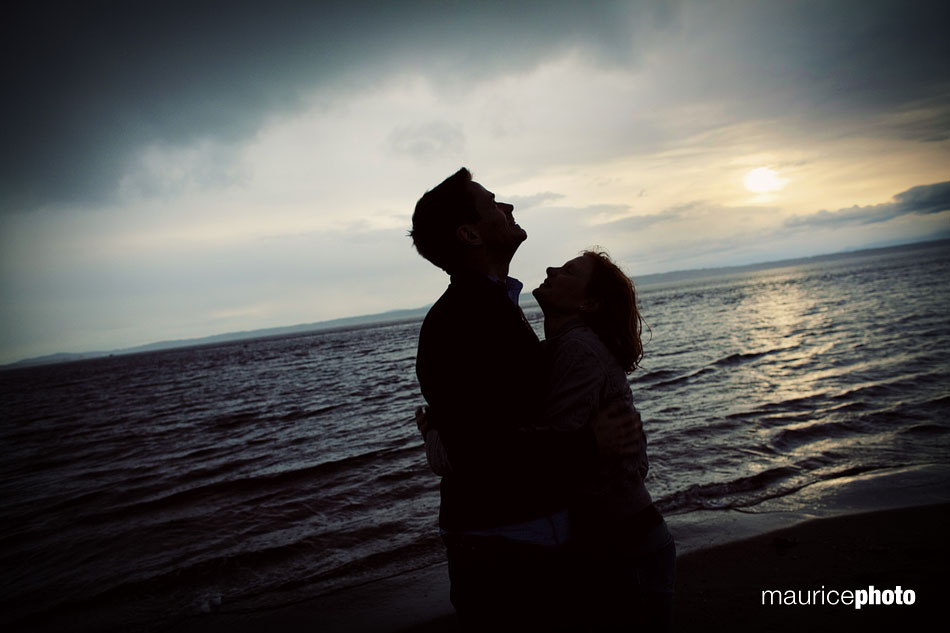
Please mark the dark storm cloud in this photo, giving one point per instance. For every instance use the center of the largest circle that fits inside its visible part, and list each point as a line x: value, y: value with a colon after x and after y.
x: 819, y: 67
x: 872, y: 53
x: 921, y: 200
x: 88, y: 83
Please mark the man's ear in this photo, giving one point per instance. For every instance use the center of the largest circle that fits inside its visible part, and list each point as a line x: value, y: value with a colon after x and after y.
x: 468, y: 234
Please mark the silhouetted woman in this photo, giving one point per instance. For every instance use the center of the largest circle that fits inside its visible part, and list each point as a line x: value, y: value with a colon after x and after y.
x: 626, y: 553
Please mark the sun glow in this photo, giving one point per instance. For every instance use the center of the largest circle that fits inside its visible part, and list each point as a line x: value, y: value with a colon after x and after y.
x: 763, y: 180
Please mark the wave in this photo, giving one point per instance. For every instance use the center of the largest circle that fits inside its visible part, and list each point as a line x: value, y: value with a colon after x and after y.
x: 180, y: 588
x: 800, y: 409
x: 795, y: 437
x: 668, y: 378
x: 723, y: 495
x: 770, y: 484
x: 652, y: 376
x: 684, y: 378
x: 924, y: 429
x: 209, y: 489
x: 737, y: 358
x: 303, y: 414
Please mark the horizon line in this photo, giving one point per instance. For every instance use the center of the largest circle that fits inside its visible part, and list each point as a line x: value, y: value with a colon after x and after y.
x: 410, y: 313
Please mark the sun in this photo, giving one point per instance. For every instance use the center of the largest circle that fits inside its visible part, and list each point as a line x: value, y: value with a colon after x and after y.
x: 763, y: 180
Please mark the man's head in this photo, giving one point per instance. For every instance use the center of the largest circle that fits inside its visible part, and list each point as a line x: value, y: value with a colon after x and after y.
x: 459, y: 223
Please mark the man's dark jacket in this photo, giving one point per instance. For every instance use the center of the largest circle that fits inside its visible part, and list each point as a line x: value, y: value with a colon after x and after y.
x: 478, y: 364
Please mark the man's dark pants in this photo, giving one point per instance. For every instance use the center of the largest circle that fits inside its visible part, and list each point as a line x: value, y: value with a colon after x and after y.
x: 500, y: 585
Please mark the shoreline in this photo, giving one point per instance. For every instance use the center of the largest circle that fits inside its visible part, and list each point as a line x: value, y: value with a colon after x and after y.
x: 717, y: 588
x: 876, y: 529
x: 873, y: 491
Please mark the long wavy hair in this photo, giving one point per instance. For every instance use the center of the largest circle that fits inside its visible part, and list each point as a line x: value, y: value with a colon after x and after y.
x: 617, y: 319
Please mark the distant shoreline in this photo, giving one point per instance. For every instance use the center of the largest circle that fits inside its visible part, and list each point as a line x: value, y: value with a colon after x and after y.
x: 701, y: 273
x: 395, y: 316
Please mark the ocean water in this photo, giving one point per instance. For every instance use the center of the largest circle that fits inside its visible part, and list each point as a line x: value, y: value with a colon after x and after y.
x: 140, y: 491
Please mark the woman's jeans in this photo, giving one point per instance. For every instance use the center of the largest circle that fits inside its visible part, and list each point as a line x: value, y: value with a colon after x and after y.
x: 633, y: 590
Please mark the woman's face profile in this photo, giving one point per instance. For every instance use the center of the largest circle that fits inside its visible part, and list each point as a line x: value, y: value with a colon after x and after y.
x: 564, y: 290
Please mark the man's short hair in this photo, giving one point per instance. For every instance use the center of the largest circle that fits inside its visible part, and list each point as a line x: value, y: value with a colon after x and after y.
x: 438, y: 215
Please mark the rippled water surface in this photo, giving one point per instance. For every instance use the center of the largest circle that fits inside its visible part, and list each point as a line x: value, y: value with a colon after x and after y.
x: 139, y: 490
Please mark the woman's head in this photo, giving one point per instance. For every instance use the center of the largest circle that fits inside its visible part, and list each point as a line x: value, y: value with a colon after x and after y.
x: 594, y: 289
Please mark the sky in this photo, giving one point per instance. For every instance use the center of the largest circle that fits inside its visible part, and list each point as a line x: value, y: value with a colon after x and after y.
x: 172, y: 170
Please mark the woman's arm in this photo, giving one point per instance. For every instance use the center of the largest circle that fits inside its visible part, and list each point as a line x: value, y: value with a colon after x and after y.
x: 573, y: 408
x: 576, y: 379
x: 617, y: 429
x: 578, y: 397
x: 436, y: 454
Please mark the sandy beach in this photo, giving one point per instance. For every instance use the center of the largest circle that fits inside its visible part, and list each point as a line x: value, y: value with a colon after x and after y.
x: 721, y: 588
x: 718, y: 588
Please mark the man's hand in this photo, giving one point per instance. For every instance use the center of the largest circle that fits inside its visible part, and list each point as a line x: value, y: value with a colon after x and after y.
x: 618, y: 429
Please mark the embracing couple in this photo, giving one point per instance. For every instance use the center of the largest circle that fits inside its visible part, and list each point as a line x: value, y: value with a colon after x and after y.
x: 544, y: 514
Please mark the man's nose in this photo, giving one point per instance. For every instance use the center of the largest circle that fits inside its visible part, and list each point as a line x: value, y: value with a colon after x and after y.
x: 507, y: 208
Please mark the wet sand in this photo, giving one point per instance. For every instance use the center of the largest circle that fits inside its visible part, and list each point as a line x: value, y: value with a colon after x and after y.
x: 721, y: 588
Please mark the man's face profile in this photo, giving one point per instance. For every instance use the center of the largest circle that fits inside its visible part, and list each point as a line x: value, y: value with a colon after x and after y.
x: 496, y: 226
